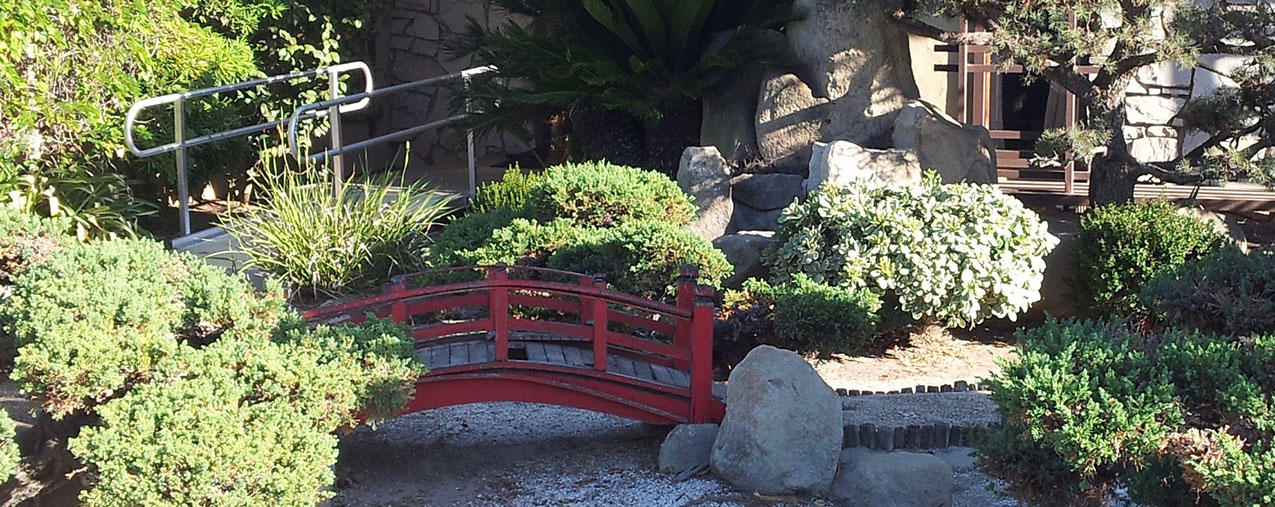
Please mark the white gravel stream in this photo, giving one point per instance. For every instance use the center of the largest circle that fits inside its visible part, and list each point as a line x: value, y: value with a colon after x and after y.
x: 519, y: 454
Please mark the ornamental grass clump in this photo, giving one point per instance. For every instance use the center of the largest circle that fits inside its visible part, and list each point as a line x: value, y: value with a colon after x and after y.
x: 1172, y: 418
x: 330, y: 243
x: 950, y: 254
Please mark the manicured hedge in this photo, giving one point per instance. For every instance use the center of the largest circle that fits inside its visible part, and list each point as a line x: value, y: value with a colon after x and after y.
x: 800, y: 315
x: 1227, y: 292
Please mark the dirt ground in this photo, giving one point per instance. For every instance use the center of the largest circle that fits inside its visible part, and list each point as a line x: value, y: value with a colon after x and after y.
x: 935, y: 358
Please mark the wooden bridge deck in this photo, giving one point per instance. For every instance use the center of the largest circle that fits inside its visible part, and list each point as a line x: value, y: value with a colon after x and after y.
x: 574, y: 354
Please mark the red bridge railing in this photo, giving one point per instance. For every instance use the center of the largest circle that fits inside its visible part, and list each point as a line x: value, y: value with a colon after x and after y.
x: 609, y: 351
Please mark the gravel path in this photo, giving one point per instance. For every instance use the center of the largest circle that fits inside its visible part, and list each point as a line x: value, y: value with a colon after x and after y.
x: 531, y: 455
x: 956, y: 409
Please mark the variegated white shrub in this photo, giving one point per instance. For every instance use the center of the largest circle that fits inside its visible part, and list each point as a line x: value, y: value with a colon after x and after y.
x: 950, y: 254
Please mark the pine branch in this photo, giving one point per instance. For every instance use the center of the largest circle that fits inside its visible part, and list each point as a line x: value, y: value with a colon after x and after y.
x: 1161, y: 170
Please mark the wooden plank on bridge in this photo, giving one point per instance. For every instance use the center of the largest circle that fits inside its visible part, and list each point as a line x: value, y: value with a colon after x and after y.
x: 574, y: 357
x: 459, y: 353
x: 555, y: 353
x: 478, y: 352
x: 536, y: 352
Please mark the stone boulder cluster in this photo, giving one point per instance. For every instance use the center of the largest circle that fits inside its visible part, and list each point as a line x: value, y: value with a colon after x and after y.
x: 782, y: 435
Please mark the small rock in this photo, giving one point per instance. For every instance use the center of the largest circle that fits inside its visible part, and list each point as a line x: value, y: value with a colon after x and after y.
x: 888, y: 479
x: 686, y: 447
x: 703, y: 173
x: 767, y: 191
x: 958, y: 152
x: 744, y: 251
x: 844, y: 162
x: 783, y: 427
x: 747, y: 218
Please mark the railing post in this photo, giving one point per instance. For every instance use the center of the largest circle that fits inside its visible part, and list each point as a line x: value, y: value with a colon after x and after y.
x: 334, y: 119
x: 498, y: 309
x: 702, y: 355
x: 599, y: 313
x: 183, y: 184
x: 685, y: 302
x: 398, y: 311
x: 469, y: 144
x: 586, y: 304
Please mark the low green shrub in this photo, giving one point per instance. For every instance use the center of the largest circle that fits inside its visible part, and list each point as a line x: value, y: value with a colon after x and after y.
x: 9, y: 452
x: 186, y: 387
x: 605, y: 195
x: 1121, y: 247
x: 955, y: 254
x: 1226, y: 292
x: 1090, y: 407
x: 642, y: 258
x: 97, y: 318
x: 802, y: 315
x: 26, y: 238
x: 331, y: 243
x: 510, y: 192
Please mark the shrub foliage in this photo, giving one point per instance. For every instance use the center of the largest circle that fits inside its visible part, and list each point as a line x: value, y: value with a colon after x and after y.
x: 801, y: 315
x: 1093, y: 406
x: 190, y: 387
x: 9, y: 456
x: 1120, y: 247
x: 1226, y: 292
x: 955, y: 254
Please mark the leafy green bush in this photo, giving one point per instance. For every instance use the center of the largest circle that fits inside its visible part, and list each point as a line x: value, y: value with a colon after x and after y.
x: 510, y: 192
x: 606, y: 195
x: 956, y: 254
x: 1089, y: 407
x: 9, y: 452
x: 26, y: 239
x: 98, y: 318
x: 642, y: 258
x: 204, y: 391
x: 1120, y: 247
x: 1226, y: 292
x: 802, y: 315
x: 333, y: 243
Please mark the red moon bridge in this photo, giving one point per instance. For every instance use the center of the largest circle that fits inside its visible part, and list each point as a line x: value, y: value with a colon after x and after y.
x: 511, y: 333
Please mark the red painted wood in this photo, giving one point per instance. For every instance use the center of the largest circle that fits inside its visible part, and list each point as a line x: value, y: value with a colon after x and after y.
x: 689, y: 323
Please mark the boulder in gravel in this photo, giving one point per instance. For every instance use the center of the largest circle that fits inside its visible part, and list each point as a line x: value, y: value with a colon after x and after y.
x: 892, y: 479
x: 767, y: 191
x: 844, y: 162
x: 704, y: 174
x: 782, y: 431
x: 958, y: 152
x: 687, y: 447
x: 743, y: 250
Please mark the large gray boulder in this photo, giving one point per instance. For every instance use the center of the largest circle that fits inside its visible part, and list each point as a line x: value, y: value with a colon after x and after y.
x: 767, y: 191
x: 844, y: 162
x: 958, y: 152
x: 853, y: 74
x: 686, y: 447
x: 704, y: 174
x: 744, y: 251
x: 782, y: 431
x: 748, y: 218
x: 892, y: 479
x: 730, y: 110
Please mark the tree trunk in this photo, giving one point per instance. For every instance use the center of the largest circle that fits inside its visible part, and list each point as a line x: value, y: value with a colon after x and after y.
x: 1111, y: 179
x: 669, y: 136
x: 615, y: 136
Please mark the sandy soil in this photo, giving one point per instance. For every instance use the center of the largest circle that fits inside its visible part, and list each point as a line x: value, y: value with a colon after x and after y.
x: 936, y: 358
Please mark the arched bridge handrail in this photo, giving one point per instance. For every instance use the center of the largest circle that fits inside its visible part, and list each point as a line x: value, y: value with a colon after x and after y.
x: 399, y: 292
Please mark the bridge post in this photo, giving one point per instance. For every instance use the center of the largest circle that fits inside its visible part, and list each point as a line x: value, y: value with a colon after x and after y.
x: 398, y: 311
x: 685, y: 301
x: 586, y: 308
x: 598, y: 310
x: 498, y: 308
x: 702, y: 355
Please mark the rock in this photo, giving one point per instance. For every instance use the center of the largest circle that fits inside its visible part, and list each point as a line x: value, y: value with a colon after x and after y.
x: 747, y: 218
x: 1222, y: 224
x: 783, y: 426
x: 1154, y: 149
x: 730, y: 110
x: 703, y: 173
x: 767, y: 191
x: 743, y: 250
x: 958, y: 152
x: 686, y: 447
x: 1152, y: 109
x: 844, y: 162
x: 887, y: 479
x: 853, y: 74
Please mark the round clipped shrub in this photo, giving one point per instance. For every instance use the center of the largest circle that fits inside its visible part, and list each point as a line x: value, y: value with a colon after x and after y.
x: 801, y: 315
x: 96, y: 318
x: 1120, y: 247
x: 1093, y: 407
x: 954, y: 254
x: 601, y: 194
x: 9, y: 456
x: 1226, y: 292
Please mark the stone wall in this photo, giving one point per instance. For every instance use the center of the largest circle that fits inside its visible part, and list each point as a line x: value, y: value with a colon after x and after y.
x: 1158, y: 94
x: 410, y: 37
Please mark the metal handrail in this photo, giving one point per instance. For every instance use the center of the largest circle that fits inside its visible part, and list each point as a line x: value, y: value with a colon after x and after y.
x: 180, y: 143
x: 334, y: 107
